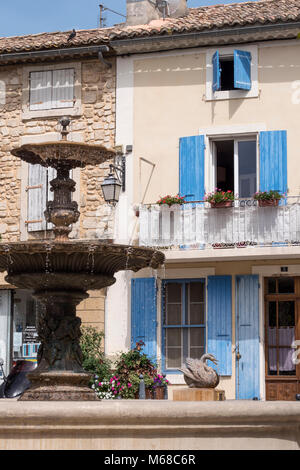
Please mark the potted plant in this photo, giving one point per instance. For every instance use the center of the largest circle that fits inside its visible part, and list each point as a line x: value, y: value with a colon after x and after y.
x: 220, y: 198
x: 159, y: 385
x: 268, y: 198
x: 171, y: 200
x: 129, y: 366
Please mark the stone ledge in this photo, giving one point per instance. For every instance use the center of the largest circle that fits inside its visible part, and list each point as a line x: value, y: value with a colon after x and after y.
x: 137, y: 424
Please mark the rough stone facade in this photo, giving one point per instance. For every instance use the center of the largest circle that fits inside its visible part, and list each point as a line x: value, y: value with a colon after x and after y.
x: 96, y: 124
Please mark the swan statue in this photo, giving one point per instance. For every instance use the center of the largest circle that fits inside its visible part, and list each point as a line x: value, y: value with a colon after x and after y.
x: 197, y: 374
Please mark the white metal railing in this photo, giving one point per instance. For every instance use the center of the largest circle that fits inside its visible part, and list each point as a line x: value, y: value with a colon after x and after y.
x: 200, y: 226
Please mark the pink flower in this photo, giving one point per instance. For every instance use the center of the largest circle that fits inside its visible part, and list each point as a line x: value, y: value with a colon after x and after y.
x: 129, y: 385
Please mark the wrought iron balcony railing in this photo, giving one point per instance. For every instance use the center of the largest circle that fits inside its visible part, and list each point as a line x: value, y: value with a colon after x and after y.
x: 197, y: 225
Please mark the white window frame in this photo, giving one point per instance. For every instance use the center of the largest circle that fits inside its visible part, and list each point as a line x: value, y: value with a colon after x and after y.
x: 231, y: 94
x: 75, y: 110
x: 213, y: 159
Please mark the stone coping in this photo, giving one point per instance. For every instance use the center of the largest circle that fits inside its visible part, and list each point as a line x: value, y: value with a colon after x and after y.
x: 145, y: 424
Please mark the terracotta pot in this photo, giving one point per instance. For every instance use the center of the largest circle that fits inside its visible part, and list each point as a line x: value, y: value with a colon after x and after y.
x: 159, y: 393
x: 148, y: 393
x: 222, y: 204
x: 268, y: 202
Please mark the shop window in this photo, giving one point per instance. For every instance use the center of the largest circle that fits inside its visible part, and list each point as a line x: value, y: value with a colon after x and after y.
x: 25, y: 315
x: 183, y: 322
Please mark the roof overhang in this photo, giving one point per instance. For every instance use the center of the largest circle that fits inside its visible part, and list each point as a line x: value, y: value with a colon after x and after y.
x: 211, y: 37
x: 54, y: 54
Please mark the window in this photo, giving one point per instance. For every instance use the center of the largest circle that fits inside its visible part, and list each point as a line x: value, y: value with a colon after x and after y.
x: 235, y: 166
x: 51, y: 89
x: 231, y: 73
x: 25, y: 318
x: 183, y: 321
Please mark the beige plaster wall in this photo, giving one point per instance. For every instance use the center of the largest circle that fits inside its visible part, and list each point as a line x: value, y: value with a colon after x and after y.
x: 169, y: 103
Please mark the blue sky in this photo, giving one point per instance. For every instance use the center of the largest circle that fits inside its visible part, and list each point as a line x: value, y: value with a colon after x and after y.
x: 18, y: 17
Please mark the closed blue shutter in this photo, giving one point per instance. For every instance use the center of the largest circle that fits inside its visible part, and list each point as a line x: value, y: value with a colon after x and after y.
x: 242, y: 69
x: 273, y: 161
x: 143, y: 315
x: 216, y: 85
x: 247, y: 337
x: 219, y: 323
x: 191, y: 167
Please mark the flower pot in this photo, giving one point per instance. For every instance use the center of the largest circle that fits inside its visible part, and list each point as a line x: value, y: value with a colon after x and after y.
x: 222, y: 204
x: 159, y: 393
x: 148, y: 393
x: 268, y: 202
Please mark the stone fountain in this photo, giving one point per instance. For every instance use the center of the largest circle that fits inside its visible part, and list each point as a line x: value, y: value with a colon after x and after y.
x: 61, y: 271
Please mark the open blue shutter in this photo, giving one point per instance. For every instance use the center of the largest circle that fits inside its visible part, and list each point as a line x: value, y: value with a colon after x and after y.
x: 247, y: 336
x: 143, y: 315
x: 216, y: 85
x: 242, y: 69
x: 219, y: 322
x: 191, y: 167
x: 273, y: 161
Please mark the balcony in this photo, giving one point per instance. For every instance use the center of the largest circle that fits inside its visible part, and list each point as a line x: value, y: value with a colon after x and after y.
x: 198, y: 226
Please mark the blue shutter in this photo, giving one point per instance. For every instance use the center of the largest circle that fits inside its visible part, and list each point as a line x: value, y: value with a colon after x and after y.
x: 242, y: 69
x: 273, y: 160
x: 143, y: 314
x: 216, y: 85
x: 219, y: 323
x: 247, y: 337
x: 191, y: 167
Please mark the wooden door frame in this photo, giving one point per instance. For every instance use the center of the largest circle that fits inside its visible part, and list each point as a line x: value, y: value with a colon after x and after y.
x: 276, y: 297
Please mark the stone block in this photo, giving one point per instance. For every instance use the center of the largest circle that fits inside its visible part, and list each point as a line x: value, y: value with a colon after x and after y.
x: 198, y: 394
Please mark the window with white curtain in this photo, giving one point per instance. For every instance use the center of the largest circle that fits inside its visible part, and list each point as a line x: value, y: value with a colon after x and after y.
x: 51, y: 89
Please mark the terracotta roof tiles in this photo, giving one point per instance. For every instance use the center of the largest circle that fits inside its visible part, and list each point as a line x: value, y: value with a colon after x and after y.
x: 198, y: 19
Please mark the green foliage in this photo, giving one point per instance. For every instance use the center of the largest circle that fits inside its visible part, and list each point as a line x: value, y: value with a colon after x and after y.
x: 268, y: 195
x: 94, y: 360
x: 170, y: 200
x: 219, y: 196
x: 130, y: 365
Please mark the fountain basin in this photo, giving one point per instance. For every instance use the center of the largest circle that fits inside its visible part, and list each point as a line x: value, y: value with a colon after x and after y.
x: 60, y: 274
x: 76, y: 265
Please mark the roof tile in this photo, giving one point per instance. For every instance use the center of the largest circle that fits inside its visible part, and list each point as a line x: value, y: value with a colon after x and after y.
x: 198, y: 19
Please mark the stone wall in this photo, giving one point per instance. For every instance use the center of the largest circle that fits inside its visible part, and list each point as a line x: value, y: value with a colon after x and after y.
x: 151, y: 425
x: 96, y: 124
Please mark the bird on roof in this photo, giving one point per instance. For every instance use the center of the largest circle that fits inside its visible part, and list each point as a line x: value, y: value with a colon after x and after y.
x: 72, y: 35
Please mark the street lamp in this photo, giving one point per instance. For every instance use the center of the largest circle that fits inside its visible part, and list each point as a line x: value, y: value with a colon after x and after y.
x: 114, y: 182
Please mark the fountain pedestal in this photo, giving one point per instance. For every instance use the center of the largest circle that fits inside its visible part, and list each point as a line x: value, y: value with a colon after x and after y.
x: 59, y: 375
x: 60, y: 272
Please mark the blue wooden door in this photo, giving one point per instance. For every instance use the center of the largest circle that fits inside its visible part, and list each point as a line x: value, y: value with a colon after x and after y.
x: 219, y: 324
x: 143, y: 315
x: 247, y: 337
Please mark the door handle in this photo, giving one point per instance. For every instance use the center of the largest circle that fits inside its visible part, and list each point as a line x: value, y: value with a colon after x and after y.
x: 238, y: 356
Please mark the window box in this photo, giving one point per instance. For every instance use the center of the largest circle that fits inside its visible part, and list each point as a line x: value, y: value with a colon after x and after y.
x: 268, y: 202
x: 222, y: 204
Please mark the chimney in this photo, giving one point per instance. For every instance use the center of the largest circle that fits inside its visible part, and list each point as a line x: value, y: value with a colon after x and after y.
x: 144, y: 11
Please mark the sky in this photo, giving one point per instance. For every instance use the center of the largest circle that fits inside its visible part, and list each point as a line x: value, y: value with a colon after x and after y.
x: 19, y: 17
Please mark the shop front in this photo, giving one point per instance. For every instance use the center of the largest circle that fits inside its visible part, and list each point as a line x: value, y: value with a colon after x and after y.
x: 18, y: 326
